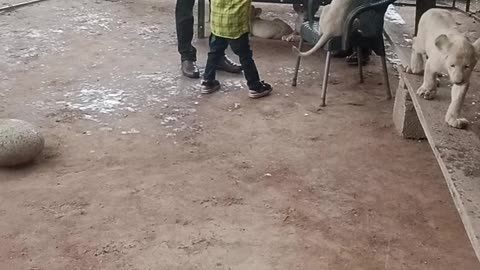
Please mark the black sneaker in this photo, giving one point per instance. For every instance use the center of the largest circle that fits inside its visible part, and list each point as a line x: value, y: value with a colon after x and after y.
x: 210, y: 86
x: 265, y: 90
x: 353, y: 59
x: 229, y: 66
x: 341, y: 53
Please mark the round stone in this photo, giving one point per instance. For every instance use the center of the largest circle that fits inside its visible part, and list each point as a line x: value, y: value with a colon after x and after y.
x: 20, y: 142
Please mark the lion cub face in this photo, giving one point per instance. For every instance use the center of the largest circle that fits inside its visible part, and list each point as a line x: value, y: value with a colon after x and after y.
x: 461, y: 56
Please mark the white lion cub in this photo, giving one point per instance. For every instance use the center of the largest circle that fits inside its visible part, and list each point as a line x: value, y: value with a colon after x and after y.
x: 446, y: 50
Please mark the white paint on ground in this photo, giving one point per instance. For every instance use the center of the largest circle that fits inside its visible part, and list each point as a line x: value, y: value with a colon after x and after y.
x: 88, y: 20
x: 231, y: 84
x: 96, y: 99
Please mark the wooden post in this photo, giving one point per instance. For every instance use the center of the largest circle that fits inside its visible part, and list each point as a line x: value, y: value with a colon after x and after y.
x: 422, y: 6
x: 201, y: 19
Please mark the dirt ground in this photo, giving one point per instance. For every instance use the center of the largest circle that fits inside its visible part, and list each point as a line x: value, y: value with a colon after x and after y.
x: 141, y: 172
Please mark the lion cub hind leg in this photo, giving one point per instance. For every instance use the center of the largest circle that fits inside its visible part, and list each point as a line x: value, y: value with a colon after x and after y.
x: 428, y: 90
x: 453, y: 113
x: 417, y: 63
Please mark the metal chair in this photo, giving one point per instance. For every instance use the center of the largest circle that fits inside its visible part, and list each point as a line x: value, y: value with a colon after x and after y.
x: 363, y: 29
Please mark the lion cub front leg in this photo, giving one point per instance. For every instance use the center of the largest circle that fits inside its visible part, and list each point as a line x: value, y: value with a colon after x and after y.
x: 293, y: 37
x: 416, y: 61
x: 453, y: 114
x: 428, y: 90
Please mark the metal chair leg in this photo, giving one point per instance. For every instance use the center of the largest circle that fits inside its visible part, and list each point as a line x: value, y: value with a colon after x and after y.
x: 360, y: 67
x: 297, y: 65
x: 385, y: 77
x: 325, y: 78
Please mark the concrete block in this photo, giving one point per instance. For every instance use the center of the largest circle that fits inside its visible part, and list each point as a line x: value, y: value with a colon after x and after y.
x: 404, y: 115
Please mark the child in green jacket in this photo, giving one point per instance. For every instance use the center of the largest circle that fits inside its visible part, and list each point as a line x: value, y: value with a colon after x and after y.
x: 230, y: 24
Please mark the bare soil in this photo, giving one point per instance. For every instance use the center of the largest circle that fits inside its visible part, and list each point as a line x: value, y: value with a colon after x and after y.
x: 141, y: 172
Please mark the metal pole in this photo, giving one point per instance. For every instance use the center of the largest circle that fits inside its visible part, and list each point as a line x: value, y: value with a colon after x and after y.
x: 19, y: 5
x: 201, y: 19
x: 422, y: 7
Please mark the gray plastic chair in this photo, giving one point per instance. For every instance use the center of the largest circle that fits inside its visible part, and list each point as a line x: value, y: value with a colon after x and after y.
x: 363, y: 29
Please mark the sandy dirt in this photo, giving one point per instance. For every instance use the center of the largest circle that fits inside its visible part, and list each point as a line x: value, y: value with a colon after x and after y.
x: 141, y: 172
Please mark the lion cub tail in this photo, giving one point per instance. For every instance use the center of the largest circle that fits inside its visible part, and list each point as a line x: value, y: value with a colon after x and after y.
x: 323, y: 40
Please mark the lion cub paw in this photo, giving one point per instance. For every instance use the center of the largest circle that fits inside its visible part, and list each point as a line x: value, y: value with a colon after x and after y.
x: 460, y: 123
x: 410, y: 70
x: 291, y: 38
x: 427, y: 94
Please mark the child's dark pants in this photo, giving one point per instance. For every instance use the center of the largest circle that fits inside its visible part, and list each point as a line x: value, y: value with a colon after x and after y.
x: 241, y: 47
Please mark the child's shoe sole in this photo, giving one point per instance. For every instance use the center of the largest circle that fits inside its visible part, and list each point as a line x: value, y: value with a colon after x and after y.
x: 254, y: 94
x: 210, y: 89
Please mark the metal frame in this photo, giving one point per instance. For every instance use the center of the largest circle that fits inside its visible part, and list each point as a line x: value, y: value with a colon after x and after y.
x: 201, y: 19
x: 423, y: 5
x: 467, y: 9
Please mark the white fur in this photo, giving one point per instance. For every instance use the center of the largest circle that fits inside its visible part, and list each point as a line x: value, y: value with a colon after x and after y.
x: 268, y: 29
x: 273, y: 29
x: 439, y: 48
x: 332, y: 21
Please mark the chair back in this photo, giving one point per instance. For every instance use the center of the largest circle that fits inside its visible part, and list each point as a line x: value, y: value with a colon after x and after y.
x: 365, y: 21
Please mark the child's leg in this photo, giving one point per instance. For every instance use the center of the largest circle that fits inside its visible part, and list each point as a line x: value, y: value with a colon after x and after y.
x: 241, y: 47
x: 217, y: 51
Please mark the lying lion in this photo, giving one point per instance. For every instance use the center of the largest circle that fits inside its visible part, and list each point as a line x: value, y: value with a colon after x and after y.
x: 276, y: 28
x: 446, y: 50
